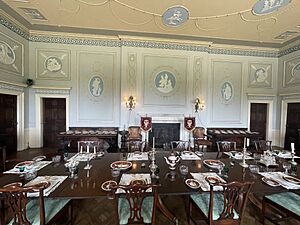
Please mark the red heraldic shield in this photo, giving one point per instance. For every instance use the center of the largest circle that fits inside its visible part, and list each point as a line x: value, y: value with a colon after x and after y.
x: 146, y: 123
x: 189, y: 123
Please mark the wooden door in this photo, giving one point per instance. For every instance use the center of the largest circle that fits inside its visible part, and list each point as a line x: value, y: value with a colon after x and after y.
x: 258, y: 118
x: 54, y: 120
x: 292, y: 132
x: 8, y: 122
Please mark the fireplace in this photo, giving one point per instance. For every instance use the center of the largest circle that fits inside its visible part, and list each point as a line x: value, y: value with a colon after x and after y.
x: 164, y: 133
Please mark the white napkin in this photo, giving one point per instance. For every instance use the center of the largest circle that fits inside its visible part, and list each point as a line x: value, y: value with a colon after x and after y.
x: 55, y: 181
x: 137, y: 156
x: 127, y: 178
x: 278, y: 176
x: 82, y: 157
x: 186, y: 155
x: 36, y: 166
x: 204, y: 184
x: 238, y: 155
x: 286, y: 155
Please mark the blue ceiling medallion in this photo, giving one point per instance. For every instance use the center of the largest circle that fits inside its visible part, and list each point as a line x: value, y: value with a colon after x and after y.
x: 175, y: 16
x: 264, y: 7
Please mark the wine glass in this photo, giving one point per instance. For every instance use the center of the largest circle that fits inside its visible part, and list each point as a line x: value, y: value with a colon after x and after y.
x: 220, y: 168
x: 256, y: 157
x: 286, y: 166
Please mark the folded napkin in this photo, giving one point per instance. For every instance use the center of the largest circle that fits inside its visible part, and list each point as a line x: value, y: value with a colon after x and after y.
x: 278, y: 176
x: 186, y: 155
x: 55, y: 181
x: 204, y: 183
x: 82, y: 157
x: 127, y: 178
x: 285, y: 155
x: 137, y: 156
x: 35, y: 166
x: 238, y: 155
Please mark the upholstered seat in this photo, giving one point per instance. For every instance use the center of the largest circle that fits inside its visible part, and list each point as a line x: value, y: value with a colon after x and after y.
x: 202, y: 201
x: 146, y: 212
x: 52, y: 208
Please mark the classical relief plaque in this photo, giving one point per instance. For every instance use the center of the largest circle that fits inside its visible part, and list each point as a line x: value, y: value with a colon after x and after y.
x: 292, y: 72
x: 95, y: 86
x: 260, y: 75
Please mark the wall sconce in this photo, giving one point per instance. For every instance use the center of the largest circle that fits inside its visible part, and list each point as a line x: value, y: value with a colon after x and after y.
x: 199, y: 105
x: 130, y: 102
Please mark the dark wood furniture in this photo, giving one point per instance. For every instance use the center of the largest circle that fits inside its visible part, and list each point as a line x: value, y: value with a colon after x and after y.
x: 232, y: 134
x: 221, y: 208
x: 201, y: 139
x: 135, y: 205
x: 15, y: 197
x: 75, y: 134
x: 262, y: 145
x: 226, y: 146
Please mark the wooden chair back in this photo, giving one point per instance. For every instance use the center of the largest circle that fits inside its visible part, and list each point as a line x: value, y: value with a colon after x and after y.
x: 200, y: 139
x: 226, y: 146
x: 263, y: 145
x: 180, y: 145
x: 134, y: 133
x: 235, y: 196
x: 199, y: 132
x: 134, y: 146
x: 135, y: 195
x: 15, y: 197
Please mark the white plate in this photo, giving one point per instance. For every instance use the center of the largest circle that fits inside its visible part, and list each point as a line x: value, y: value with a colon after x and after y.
x: 290, y: 179
x: 107, y: 184
x: 270, y: 182
x: 213, y: 163
x: 192, y: 183
x: 121, y: 165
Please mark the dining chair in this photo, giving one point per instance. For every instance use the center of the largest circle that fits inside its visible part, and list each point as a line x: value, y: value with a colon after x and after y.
x: 134, y: 133
x: 34, y: 211
x: 134, y: 205
x: 263, y: 145
x: 224, y: 207
x: 200, y: 139
x: 134, y: 146
x: 179, y: 145
x: 3, y: 158
x: 226, y: 146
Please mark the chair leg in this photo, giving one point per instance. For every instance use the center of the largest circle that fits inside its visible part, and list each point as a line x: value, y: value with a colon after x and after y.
x: 71, y: 212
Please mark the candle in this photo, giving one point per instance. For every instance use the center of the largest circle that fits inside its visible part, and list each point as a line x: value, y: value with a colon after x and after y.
x: 293, y: 147
x: 248, y: 142
x: 88, y: 149
x: 94, y: 149
x: 153, y: 142
x: 244, y: 142
x: 81, y: 149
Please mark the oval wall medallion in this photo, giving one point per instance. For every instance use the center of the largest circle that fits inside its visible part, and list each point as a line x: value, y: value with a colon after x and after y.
x: 175, y: 16
x: 7, y: 54
x: 53, y: 64
x: 96, y: 86
x: 263, y: 7
x: 165, y: 82
x: 296, y: 71
x: 261, y: 75
x: 227, y: 91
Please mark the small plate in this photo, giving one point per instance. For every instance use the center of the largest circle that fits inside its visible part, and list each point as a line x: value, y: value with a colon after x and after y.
x: 121, y: 165
x: 291, y: 179
x: 212, y: 163
x: 138, y: 182
x: 192, y: 183
x: 270, y: 182
x: 214, y: 179
x: 107, y: 184
x: 39, y: 158
x: 21, y: 164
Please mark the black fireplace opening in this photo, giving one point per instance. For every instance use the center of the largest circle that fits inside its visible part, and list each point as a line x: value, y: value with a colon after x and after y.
x: 164, y: 133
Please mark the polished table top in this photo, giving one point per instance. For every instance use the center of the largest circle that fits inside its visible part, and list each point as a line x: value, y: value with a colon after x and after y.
x: 88, y: 184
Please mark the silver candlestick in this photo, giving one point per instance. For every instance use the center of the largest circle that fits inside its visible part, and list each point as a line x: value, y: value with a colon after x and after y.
x: 293, y: 162
x: 243, y: 163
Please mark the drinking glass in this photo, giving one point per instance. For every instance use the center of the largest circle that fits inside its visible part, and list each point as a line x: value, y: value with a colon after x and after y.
x: 220, y: 168
x: 286, y: 166
x: 256, y: 157
x: 293, y: 170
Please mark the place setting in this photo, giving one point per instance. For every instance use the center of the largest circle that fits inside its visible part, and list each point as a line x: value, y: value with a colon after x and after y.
x: 189, y: 155
x: 202, y: 180
x: 137, y: 156
x: 280, y: 179
x: 238, y: 155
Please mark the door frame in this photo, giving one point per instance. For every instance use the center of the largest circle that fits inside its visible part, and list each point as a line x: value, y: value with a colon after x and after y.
x: 39, y: 113
x: 283, y: 119
x: 270, y: 103
x: 12, y: 90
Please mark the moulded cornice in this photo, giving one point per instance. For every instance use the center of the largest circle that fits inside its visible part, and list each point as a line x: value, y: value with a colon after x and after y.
x: 13, y: 83
x: 50, y: 87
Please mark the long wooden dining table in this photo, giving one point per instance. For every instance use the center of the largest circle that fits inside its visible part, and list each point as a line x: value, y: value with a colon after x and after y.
x: 88, y: 183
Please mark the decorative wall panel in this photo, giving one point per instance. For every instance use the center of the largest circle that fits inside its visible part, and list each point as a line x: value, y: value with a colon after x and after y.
x: 260, y: 75
x: 131, y: 80
x: 292, y: 72
x: 165, y: 80
x: 11, y: 55
x: 96, y: 89
x: 226, y: 92
x: 197, y: 76
x: 52, y: 64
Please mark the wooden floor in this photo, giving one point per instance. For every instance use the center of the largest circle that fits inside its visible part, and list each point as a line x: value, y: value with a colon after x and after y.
x: 101, y: 210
